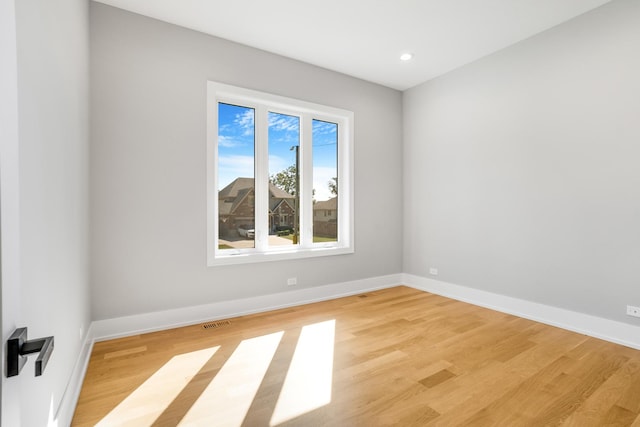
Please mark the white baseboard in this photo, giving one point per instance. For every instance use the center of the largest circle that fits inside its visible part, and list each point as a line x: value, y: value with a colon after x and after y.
x: 149, y: 322
x: 69, y: 400
x: 598, y: 327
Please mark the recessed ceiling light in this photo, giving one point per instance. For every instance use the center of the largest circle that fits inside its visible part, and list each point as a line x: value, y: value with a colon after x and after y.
x: 406, y: 56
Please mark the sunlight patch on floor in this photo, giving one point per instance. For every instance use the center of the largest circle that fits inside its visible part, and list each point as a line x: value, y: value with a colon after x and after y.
x: 149, y: 400
x: 307, y: 385
x: 228, y: 397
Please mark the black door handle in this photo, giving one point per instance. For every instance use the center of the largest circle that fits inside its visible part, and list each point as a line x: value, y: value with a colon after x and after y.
x: 18, y: 348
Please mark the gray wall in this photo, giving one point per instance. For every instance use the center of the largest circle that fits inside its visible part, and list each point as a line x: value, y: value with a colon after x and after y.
x: 522, y: 170
x: 148, y: 176
x: 53, y: 122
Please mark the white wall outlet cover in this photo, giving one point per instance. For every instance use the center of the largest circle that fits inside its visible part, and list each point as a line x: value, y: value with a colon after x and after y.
x: 633, y: 311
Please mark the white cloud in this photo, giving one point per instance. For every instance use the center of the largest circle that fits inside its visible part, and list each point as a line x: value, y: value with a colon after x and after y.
x: 232, y: 167
x: 245, y: 121
x: 228, y: 141
x: 321, y: 178
x: 282, y: 122
x: 324, y: 128
x: 277, y: 164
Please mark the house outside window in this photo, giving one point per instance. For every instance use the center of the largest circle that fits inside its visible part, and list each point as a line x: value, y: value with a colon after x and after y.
x: 272, y: 162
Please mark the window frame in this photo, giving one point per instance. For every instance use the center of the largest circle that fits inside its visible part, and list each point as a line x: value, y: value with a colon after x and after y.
x: 263, y: 103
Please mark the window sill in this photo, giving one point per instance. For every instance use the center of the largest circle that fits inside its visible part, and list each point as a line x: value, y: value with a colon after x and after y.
x: 250, y: 257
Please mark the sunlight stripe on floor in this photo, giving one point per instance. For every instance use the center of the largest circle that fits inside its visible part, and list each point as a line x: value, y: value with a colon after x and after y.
x: 307, y: 385
x: 151, y: 398
x: 228, y: 397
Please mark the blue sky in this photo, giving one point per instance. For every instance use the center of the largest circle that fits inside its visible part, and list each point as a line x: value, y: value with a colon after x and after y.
x: 236, y: 146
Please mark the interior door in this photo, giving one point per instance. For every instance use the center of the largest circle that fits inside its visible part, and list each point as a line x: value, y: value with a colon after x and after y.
x: 10, y: 302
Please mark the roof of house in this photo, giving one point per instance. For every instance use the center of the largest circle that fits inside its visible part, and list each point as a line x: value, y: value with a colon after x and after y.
x: 329, y: 205
x: 237, y: 185
x: 275, y: 203
x: 228, y: 205
x: 232, y: 195
x: 232, y: 189
x: 279, y: 193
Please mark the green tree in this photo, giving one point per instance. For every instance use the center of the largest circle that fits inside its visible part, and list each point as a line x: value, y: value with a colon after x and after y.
x: 333, y: 186
x: 286, y: 179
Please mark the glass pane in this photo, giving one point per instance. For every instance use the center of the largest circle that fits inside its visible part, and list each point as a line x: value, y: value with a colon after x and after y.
x: 284, y: 143
x: 325, y: 181
x: 236, y: 178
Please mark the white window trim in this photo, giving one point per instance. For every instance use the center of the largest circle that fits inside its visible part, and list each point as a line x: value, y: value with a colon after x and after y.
x: 263, y: 102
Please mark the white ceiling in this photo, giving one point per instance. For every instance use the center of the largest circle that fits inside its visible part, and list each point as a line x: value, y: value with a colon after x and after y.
x: 364, y: 38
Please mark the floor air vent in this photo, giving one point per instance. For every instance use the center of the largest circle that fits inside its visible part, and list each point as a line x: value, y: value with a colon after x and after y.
x: 212, y: 325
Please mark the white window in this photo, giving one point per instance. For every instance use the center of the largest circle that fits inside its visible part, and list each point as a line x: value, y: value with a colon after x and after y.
x: 269, y: 159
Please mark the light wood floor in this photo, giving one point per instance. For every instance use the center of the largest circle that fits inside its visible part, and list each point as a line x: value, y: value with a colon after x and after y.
x: 400, y: 357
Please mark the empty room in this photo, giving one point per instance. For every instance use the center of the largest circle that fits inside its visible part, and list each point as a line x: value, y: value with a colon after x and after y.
x: 343, y: 213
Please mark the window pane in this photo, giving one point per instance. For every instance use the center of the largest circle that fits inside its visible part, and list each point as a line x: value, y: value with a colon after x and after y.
x: 252, y: 137
x: 236, y: 178
x: 325, y: 181
x: 284, y: 212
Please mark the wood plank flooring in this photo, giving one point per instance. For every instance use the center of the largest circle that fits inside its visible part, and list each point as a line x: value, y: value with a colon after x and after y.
x: 397, y: 356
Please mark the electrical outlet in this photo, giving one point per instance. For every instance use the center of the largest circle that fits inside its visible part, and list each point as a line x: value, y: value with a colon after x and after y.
x: 433, y: 271
x: 292, y: 281
x: 633, y: 311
